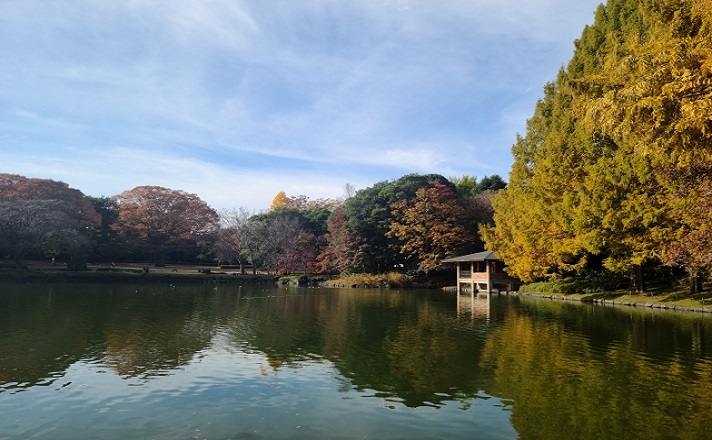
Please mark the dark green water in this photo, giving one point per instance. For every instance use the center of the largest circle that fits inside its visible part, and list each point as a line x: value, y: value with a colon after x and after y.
x: 199, y: 362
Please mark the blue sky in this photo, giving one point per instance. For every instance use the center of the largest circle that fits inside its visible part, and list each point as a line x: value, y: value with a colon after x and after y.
x: 237, y: 100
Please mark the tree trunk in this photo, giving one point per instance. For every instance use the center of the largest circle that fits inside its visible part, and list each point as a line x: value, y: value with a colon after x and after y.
x: 694, y: 278
x: 637, y: 279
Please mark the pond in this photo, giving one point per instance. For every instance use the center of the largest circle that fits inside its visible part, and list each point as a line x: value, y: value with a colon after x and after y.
x: 261, y: 362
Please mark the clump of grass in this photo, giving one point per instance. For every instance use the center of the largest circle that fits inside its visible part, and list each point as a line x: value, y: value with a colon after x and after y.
x: 391, y: 279
x: 599, y: 282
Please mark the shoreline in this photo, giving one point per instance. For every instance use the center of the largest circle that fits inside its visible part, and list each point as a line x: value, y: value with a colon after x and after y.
x: 592, y: 299
x: 669, y: 300
x: 131, y: 274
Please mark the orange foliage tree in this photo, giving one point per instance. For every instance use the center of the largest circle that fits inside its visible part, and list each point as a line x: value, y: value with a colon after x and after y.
x: 163, y: 222
x: 429, y: 225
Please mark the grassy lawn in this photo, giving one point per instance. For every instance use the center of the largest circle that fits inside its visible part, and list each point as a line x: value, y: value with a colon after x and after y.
x: 46, y: 271
x: 676, y: 296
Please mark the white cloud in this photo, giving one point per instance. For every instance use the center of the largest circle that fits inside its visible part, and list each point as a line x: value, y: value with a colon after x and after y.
x: 110, y: 172
x: 220, y: 22
x: 222, y: 93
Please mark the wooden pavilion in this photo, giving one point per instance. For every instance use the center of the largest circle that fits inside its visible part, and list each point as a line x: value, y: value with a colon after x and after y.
x: 483, y: 271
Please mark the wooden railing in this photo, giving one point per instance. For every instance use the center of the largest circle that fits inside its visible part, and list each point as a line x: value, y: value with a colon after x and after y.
x: 470, y: 274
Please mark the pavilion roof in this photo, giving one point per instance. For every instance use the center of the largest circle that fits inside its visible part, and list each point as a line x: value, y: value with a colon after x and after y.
x: 479, y: 256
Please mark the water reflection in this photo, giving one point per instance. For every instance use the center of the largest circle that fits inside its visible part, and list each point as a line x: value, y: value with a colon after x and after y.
x: 398, y: 345
x: 546, y: 369
x: 579, y: 371
x: 405, y: 349
x: 477, y: 305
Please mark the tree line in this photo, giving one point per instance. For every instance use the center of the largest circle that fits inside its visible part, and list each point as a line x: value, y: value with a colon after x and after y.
x: 410, y: 223
x: 614, y: 172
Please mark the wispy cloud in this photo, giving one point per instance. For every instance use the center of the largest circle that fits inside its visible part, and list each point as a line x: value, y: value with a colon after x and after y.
x: 299, y: 94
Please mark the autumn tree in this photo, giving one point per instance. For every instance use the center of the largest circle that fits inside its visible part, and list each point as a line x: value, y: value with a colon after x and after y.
x: 343, y: 251
x: 292, y: 238
x: 597, y: 172
x: 369, y: 214
x: 477, y: 212
x: 474, y: 196
x: 653, y: 97
x: 300, y: 203
x: 428, y: 225
x: 533, y: 225
x: 165, y: 222
x: 294, y: 232
x: 280, y: 201
x: 47, y: 216
x: 687, y: 225
x: 252, y: 235
x: 285, y: 245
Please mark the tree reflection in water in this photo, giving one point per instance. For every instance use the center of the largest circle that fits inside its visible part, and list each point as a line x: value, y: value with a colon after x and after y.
x: 564, y: 370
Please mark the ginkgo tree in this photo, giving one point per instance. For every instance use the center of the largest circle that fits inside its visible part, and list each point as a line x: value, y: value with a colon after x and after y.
x: 615, y: 160
x: 653, y: 98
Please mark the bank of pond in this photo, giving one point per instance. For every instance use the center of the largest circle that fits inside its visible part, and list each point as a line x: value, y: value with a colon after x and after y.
x: 672, y: 295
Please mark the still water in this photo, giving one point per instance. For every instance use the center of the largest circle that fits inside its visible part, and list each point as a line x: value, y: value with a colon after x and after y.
x: 255, y: 362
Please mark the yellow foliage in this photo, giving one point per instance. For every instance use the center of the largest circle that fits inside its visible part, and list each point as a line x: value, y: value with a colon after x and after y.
x: 280, y: 201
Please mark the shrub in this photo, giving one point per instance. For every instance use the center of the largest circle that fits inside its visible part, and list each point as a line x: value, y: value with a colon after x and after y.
x: 391, y: 279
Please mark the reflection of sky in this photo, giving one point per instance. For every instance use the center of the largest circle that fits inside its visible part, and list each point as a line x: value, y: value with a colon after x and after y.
x: 224, y: 393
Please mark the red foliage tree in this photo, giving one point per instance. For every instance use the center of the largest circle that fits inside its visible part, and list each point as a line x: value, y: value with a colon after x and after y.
x: 343, y: 249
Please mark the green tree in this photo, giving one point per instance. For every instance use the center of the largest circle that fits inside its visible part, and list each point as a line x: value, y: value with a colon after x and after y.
x: 469, y: 186
x: 370, y: 215
x: 490, y: 183
x: 465, y: 186
x: 107, y: 246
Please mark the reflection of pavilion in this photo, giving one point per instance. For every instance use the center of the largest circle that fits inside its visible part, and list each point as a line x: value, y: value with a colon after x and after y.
x: 474, y: 303
x: 482, y: 271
